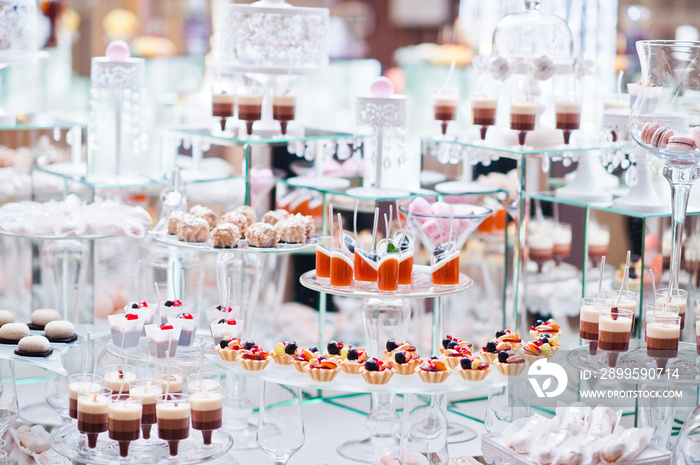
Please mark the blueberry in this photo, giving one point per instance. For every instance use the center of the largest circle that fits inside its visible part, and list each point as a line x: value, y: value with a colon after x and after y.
x: 433, y: 358
x: 439, y: 250
x: 633, y: 274
x: 635, y: 258
x: 545, y: 336
x: 503, y: 356
x: 446, y: 342
x: 500, y: 333
x: 404, y: 245
x: 371, y: 365
x: 313, y: 349
x: 248, y: 345
x: 221, y: 321
x: 333, y: 348
x: 391, y: 345
x: 351, y: 248
x: 400, y: 357
x: 539, y: 322
x: 219, y: 307
x: 223, y: 343
x: 452, y: 345
x: 290, y: 348
x: 353, y: 355
x: 466, y: 363
x: 134, y: 305
x: 490, y: 347
x: 168, y: 303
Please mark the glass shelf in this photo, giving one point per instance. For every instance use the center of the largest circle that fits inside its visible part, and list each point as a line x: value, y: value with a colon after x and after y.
x: 229, y: 138
x: 600, y: 206
x: 39, y: 121
x: 172, y: 241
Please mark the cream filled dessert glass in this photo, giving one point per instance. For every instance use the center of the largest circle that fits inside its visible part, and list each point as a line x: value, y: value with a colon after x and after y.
x: 207, y: 411
x: 124, y: 421
x: 562, y: 242
x: 445, y: 101
x: 589, y: 316
x: 92, y: 414
x: 483, y: 112
x: 627, y: 300
x: 540, y: 248
x: 663, y: 332
x: 146, y: 392
x: 117, y: 377
x: 614, y: 331
x: 284, y: 104
x: 250, y: 102
x: 173, y: 415
x: 223, y: 106
x: 80, y: 383
x: 207, y: 381
x: 598, y: 238
x: 522, y: 119
x: 568, y: 114
x: 678, y: 297
x: 172, y: 379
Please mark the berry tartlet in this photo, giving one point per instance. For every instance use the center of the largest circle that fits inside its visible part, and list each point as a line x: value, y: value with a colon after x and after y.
x: 322, y: 369
x: 302, y: 357
x: 510, y: 364
x: 405, y: 361
x: 228, y: 349
x: 334, y: 350
x: 377, y: 371
x: 473, y: 368
x: 490, y: 351
x: 283, y: 353
x: 353, y: 360
x: 433, y: 371
x: 252, y: 357
x: 542, y: 327
x: 452, y: 343
x: 534, y: 350
x: 395, y: 346
x: 507, y: 336
x: 455, y: 354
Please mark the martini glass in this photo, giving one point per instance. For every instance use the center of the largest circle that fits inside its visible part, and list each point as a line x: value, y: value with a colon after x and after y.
x: 669, y: 87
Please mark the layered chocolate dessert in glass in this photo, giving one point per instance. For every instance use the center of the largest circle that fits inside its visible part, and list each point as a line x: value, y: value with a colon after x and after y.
x: 540, y: 249
x: 250, y: 102
x: 663, y: 334
x: 173, y: 415
x: 483, y: 112
x: 614, y: 331
x: 678, y: 297
x: 589, y: 316
x: 118, y: 377
x: 223, y: 107
x: 284, y: 105
x: 562, y: 242
x: 445, y: 101
x: 568, y: 117
x: 598, y: 238
x: 93, y: 414
x: 207, y: 410
x: 146, y: 392
x: 124, y: 421
x: 522, y: 119
x: 81, y: 383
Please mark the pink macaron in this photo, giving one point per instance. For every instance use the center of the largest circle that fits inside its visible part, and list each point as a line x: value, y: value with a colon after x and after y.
x: 660, y: 137
x: 648, y: 131
x: 681, y: 144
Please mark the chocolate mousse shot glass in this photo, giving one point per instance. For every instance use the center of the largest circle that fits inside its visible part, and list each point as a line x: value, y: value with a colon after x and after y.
x: 483, y: 112
x: 284, y: 105
x: 568, y: 118
x: 81, y: 383
x: 445, y: 106
x: 147, y: 392
x: 223, y: 107
x: 663, y: 334
x: 522, y: 119
x: 207, y: 411
x: 679, y: 297
x: 589, y: 316
x: 250, y: 102
x: 614, y: 331
x: 124, y: 425
x: 93, y: 414
x: 173, y: 414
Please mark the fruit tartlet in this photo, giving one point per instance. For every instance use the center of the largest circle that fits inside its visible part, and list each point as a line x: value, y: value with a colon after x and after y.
x: 322, y: 369
x: 377, y: 371
x: 542, y: 327
x: 534, y: 350
x: 406, y: 361
x: 228, y: 349
x: 512, y: 338
x: 333, y: 350
x: 353, y: 360
x: 451, y: 342
x: 395, y: 346
x: 490, y: 351
x: 433, y: 370
x: 473, y: 368
x: 302, y: 357
x: 283, y: 353
x: 455, y: 354
x: 253, y: 358
x: 510, y: 364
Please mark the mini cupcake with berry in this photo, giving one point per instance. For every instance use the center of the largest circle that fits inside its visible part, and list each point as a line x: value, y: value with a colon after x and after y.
x: 283, y: 353
x: 450, y: 343
x: 510, y: 364
x: 433, y: 370
x: 253, y: 358
x: 510, y: 337
x: 542, y: 327
x: 228, y: 349
x: 302, y: 357
x: 322, y: 369
x: 406, y: 361
x: 377, y: 371
x: 473, y: 368
x: 353, y: 360
x: 490, y: 351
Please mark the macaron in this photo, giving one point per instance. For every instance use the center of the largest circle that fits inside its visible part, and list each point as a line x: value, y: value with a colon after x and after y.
x: 677, y: 144
x: 648, y: 131
x: 34, y: 346
x: 660, y: 137
x: 696, y: 135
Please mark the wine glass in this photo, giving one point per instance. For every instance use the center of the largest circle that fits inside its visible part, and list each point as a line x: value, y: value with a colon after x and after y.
x: 9, y: 408
x: 280, y: 422
x: 667, y: 96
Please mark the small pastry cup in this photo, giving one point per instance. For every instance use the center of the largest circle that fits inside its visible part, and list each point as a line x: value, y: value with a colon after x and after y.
x: 253, y: 365
x: 516, y: 346
x: 322, y: 375
x: 433, y: 377
x: 510, y: 369
x: 535, y: 334
x: 300, y: 366
x: 227, y: 354
x: 407, y: 368
x: 377, y: 377
x: 351, y: 367
x: 283, y: 359
x: 473, y: 375
x: 489, y: 357
x: 452, y: 362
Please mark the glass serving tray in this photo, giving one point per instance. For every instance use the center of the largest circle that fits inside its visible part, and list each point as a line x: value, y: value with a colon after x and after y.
x: 184, y: 356
x: 171, y: 240
x: 70, y: 443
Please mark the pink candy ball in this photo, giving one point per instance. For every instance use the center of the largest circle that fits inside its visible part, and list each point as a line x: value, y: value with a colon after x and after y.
x: 443, y: 209
x: 381, y: 88
x: 118, y: 50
